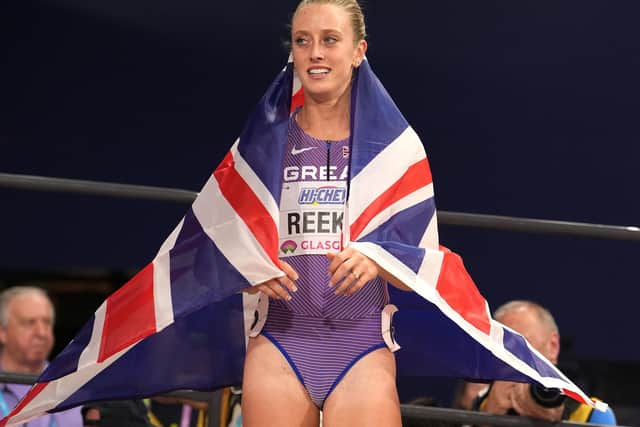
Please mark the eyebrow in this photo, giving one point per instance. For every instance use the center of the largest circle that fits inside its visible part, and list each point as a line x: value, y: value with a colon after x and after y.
x: 324, y: 31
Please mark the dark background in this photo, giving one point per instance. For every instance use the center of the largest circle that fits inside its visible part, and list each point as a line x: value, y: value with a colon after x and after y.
x: 526, y: 109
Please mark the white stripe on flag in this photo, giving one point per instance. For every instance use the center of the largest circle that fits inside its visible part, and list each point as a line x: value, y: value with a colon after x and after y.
x: 246, y: 254
x: 258, y: 187
x: 430, y: 268
x: 394, y: 160
x: 59, y: 390
x: 406, y: 202
x: 162, y: 301
x: 496, y: 333
x: 170, y: 241
x: 430, y: 237
x: 90, y: 353
x: 396, y: 268
x: 297, y: 85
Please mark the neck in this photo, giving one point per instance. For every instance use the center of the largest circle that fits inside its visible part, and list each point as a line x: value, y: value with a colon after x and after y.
x: 10, y: 365
x: 327, y: 119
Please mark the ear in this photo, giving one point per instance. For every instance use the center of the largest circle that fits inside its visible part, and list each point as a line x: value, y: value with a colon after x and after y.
x: 553, y: 347
x: 361, y: 50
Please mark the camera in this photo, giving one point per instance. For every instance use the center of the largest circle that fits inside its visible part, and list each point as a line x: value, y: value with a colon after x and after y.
x: 547, y: 397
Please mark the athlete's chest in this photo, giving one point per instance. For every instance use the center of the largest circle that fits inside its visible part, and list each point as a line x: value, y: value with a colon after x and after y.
x: 314, y: 192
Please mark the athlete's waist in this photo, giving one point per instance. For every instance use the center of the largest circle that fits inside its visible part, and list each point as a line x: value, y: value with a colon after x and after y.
x: 285, y: 310
x: 281, y: 312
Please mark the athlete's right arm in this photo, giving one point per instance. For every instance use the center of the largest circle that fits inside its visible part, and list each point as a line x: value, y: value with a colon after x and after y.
x: 280, y: 287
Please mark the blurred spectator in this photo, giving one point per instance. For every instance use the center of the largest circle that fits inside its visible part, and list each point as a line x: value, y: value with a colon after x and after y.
x: 466, y: 393
x: 220, y: 407
x: 538, y: 326
x: 26, y: 336
x: 173, y: 412
x: 116, y: 413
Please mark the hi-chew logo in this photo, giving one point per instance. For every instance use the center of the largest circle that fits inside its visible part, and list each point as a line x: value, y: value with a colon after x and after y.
x: 322, y: 196
x: 288, y: 247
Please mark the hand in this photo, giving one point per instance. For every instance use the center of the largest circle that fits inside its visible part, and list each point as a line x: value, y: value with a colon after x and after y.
x: 523, y: 403
x: 353, y: 269
x: 279, y: 287
x: 499, y: 400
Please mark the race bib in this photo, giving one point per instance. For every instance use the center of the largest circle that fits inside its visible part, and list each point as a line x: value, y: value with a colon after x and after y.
x: 311, y: 217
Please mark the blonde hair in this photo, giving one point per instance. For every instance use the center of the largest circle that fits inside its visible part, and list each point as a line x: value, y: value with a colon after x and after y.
x: 352, y: 7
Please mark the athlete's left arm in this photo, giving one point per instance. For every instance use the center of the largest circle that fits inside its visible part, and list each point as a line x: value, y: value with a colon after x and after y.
x: 356, y: 269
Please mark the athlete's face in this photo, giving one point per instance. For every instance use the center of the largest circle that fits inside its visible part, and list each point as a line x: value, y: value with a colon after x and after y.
x: 324, y: 50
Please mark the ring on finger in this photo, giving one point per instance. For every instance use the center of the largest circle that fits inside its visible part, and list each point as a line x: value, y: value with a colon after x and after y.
x: 356, y: 275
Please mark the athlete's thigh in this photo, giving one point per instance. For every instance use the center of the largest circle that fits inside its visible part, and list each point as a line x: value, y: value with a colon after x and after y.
x: 271, y: 393
x: 367, y: 395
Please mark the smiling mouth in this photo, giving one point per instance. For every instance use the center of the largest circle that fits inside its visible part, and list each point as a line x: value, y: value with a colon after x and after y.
x: 319, y: 71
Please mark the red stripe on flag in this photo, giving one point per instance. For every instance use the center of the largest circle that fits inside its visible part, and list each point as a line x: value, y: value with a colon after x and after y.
x: 576, y: 397
x: 227, y: 162
x: 417, y: 176
x: 248, y: 206
x: 130, y: 314
x: 31, y: 394
x: 297, y: 100
x: 457, y: 288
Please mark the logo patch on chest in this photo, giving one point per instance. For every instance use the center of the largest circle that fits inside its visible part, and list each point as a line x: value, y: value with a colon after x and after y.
x: 329, y: 195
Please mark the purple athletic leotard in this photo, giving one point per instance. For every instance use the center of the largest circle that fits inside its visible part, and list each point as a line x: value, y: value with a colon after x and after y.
x: 319, y: 333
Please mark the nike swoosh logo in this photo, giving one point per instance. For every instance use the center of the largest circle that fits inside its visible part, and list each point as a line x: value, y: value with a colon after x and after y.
x: 296, y: 151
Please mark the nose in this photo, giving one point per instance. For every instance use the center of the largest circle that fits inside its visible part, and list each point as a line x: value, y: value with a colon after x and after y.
x: 317, y: 53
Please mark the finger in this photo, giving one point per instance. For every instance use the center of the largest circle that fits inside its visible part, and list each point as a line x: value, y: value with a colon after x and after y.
x: 343, y: 286
x: 520, y: 389
x: 338, y: 259
x: 341, y: 272
x: 359, y: 284
x: 251, y: 290
x: 279, y: 289
x: 361, y: 279
x: 334, y: 261
x: 287, y: 283
x: 268, y: 292
x: 348, y: 281
x: 289, y: 271
x: 503, y: 385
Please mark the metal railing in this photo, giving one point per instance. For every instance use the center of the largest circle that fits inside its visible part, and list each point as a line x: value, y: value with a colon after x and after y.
x: 174, y: 195
x: 409, y: 412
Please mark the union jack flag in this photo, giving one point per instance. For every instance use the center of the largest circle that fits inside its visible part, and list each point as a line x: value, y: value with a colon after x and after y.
x: 182, y: 322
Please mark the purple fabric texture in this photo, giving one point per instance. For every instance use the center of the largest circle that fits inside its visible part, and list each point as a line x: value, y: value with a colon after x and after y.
x: 319, y: 333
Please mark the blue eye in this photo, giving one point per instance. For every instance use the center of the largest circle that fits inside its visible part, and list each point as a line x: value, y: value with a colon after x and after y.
x: 330, y: 40
x: 300, y: 41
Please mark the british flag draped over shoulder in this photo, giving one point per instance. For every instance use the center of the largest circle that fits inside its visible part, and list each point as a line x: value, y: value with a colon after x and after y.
x: 182, y: 321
